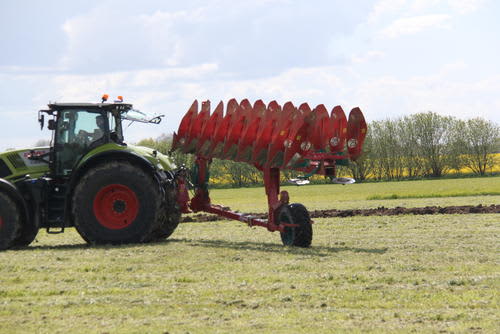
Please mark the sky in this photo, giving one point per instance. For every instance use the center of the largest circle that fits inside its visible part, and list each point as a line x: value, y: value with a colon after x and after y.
x: 389, y: 57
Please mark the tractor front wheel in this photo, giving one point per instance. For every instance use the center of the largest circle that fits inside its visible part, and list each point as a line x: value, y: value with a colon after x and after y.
x: 301, y: 235
x: 10, y: 221
x: 117, y: 203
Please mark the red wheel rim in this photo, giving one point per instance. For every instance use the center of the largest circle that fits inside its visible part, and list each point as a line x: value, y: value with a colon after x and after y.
x: 116, y: 206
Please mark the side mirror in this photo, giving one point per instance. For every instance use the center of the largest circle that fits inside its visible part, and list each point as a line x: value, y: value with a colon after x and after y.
x: 156, y: 120
x: 41, y: 120
x: 51, y: 125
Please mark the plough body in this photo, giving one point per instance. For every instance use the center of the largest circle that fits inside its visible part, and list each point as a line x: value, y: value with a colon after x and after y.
x: 271, y: 138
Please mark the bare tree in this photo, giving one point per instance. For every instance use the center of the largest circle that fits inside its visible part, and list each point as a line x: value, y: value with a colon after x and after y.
x: 363, y: 166
x: 163, y: 144
x: 479, y: 142
x: 433, y: 134
x: 387, y: 149
x: 412, y: 161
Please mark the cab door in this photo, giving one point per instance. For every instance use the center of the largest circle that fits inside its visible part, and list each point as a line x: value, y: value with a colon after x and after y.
x: 77, y: 132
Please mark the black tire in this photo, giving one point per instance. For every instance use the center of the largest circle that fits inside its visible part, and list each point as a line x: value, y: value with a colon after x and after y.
x: 300, y: 236
x: 29, y: 230
x: 116, y: 203
x: 171, y: 214
x: 10, y: 221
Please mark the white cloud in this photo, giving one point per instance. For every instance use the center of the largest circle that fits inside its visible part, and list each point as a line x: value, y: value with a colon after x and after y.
x: 384, y: 10
x: 455, y: 6
x: 465, y: 6
x: 385, y: 7
x: 413, y: 25
x: 440, y: 92
x: 248, y: 38
x: 171, y: 91
x: 138, y: 83
x: 367, y: 57
x: 30, y: 69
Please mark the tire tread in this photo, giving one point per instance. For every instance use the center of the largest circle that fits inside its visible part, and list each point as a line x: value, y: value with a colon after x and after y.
x: 8, y: 236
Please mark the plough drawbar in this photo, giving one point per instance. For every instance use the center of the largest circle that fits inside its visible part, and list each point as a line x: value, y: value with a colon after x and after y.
x: 271, y: 138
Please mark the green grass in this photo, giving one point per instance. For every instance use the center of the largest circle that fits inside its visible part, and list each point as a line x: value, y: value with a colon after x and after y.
x: 434, y: 195
x: 363, y: 274
x: 468, y: 191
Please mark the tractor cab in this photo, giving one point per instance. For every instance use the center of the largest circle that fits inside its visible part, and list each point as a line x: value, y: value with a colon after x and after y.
x: 79, y: 128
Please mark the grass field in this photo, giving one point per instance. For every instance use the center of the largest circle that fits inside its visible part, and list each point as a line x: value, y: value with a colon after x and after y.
x: 363, y: 274
x: 444, y: 192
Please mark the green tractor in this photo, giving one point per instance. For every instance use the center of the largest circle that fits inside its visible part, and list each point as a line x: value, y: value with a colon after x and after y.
x: 90, y: 179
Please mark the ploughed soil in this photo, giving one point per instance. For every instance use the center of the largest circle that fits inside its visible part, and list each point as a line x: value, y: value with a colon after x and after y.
x: 380, y: 211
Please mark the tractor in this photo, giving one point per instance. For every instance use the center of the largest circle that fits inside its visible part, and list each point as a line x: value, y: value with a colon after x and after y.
x: 113, y: 192
x: 89, y: 178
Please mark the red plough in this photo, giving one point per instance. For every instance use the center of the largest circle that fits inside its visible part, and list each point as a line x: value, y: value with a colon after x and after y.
x: 271, y: 138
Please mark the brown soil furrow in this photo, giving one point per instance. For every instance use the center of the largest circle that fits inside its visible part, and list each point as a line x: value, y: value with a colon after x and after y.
x: 380, y: 211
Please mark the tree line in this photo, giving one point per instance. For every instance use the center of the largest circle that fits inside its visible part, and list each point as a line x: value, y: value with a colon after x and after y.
x: 427, y: 145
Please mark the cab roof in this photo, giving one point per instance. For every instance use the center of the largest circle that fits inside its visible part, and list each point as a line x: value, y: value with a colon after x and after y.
x: 74, y: 105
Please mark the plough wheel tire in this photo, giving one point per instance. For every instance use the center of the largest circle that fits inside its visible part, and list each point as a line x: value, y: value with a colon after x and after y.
x: 171, y: 215
x: 10, y: 221
x: 116, y: 203
x: 300, y: 236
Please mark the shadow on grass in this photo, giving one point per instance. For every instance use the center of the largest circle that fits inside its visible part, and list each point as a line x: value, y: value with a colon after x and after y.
x: 34, y: 247
x: 86, y: 246
x: 276, y: 248
x: 241, y: 245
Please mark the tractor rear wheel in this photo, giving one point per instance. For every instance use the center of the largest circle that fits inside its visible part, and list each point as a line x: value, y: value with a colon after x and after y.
x: 28, y: 232
x: 301, y: 235
x: 171, y: 215
x: 10, y: 221
x: 116, y: 203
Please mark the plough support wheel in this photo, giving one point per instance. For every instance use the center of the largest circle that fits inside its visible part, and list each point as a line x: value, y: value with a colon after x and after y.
x: 300, y: 235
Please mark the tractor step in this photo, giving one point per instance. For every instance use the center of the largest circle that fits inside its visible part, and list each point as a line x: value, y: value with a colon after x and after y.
x: 56, y: 210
